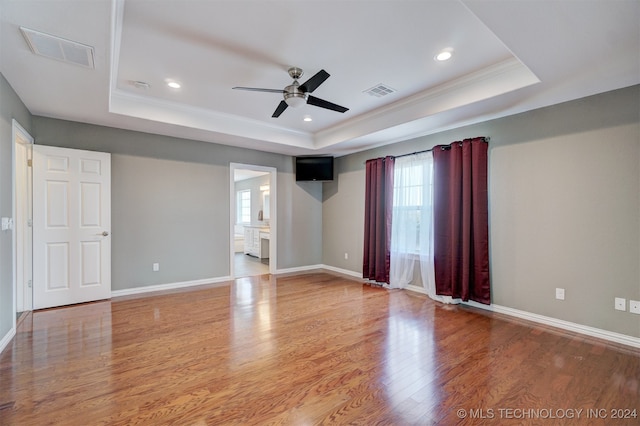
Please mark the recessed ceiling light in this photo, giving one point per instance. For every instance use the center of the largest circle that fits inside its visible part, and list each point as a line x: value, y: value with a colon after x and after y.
x: 173, y: 84
x: 445, y: 55
x: 307, y: 118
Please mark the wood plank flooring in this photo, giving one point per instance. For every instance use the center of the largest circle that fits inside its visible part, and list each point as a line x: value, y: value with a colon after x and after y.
x: 306, y: 349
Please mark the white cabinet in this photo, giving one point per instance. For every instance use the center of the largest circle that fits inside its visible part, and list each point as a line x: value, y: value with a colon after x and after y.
x: 254, y: 237
x: 249, y: 246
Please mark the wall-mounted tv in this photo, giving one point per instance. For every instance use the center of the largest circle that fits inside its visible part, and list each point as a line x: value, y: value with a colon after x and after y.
x: 314, y: 168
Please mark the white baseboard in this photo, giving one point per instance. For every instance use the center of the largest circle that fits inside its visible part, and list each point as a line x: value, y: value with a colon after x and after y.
x: 168, y: 286
x: 417, y: 289
x: 320, y: 266
x: 550, y: 321
x: 184, y: 284
x: 343, y: 271
x: 7, y: 339
x: 565, y: 325
x: 299, y: 269
x: 541, y: 319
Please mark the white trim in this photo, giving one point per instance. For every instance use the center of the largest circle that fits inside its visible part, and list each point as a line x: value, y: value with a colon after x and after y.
x: 417, y: 289
x: 17, y: 131
x: 198, y: 118
x: 273, y: 214
x: 378, y: 126
x: 299, y: 269
x: 343, y: 271
x: 541, y: 319
x: 565, y: 325
x: 168, y: 286
x: 7, y: 339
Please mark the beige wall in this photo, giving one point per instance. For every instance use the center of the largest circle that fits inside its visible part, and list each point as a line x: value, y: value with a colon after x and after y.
x: 564, y: 208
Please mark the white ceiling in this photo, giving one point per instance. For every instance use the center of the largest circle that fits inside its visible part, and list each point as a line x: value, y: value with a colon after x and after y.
x: 244, y: 174
x: 508, y: 57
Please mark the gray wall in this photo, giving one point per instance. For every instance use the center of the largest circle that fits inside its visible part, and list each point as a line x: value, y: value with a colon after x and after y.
x: 11, y: 107
x: 564, y: 205
x: 170, y: 203
x: 564, y: 208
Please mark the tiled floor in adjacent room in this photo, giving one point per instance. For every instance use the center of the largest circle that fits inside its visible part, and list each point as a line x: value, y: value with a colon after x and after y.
x: 246, y: 266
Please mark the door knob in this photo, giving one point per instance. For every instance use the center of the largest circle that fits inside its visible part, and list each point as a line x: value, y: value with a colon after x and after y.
x: 105, y: 234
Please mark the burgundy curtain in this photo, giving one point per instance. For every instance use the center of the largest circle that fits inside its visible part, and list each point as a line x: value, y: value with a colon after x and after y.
x: 377, y: 219
x: 461, y: 220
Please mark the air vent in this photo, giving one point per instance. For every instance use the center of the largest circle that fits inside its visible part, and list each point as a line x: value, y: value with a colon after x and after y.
x: 380, y: 90
x: 58, y: 48
x: 143, y: 85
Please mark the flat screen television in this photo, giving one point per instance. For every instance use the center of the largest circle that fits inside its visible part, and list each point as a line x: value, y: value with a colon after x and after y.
x: 314, y: 168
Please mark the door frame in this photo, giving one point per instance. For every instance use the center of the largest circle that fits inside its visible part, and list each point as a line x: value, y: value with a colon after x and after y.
x: 273, y: 219
x: 21, y: 152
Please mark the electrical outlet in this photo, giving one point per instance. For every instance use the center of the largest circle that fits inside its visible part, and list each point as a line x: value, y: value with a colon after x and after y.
x: 560, y: 293
x: 620, y: 304
x: 634, y: 306
x: 346, y: 256
x: 156, y: 267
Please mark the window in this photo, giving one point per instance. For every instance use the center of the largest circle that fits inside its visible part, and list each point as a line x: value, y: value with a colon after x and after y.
x: 243, y: 206
x: 412, y: 203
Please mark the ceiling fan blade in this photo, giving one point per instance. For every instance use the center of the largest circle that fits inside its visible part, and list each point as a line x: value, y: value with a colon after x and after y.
x: 257, y: 89
x: 312, y: 100
x: 281, y: 107
x: 315, y: 81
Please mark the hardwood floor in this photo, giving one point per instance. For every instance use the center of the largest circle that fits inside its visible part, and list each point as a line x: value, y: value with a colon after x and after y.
x: 306, y: 349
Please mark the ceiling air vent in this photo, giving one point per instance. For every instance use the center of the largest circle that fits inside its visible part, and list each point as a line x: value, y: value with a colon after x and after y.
x: 58, y: 48
x: 380, y: 90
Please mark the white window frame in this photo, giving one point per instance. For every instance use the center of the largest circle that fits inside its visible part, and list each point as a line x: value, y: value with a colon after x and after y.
x: 243, y: 206
x: 422, y: 202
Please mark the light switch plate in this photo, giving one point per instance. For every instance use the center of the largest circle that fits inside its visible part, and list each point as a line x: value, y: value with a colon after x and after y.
x: 620, y: 304
x: 7, y: 223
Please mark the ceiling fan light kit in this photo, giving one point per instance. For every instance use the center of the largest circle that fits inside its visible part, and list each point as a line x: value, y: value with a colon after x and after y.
x: 293, y: 96
x: 297, y: 94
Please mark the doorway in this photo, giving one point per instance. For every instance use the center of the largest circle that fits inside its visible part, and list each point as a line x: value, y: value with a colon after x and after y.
x: 22, y: 212
x: 253, y: 222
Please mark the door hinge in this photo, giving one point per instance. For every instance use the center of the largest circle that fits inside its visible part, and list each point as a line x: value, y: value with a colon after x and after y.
x: 29, y: 162
x: 29, y: 283
x: 29, y: 223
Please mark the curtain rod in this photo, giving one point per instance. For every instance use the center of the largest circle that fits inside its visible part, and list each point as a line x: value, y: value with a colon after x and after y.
x: 486, y: 140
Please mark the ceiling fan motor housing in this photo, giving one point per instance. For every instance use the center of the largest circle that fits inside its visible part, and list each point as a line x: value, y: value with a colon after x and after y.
x: 293, y: 96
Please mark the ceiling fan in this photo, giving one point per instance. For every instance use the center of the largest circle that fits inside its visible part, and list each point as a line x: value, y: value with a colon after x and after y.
x: 297, y: 94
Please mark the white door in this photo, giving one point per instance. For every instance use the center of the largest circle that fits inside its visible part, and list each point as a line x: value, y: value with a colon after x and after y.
x: 71, y: 226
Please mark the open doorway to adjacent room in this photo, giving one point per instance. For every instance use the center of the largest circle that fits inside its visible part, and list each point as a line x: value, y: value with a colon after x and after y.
x: 253, y: 220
